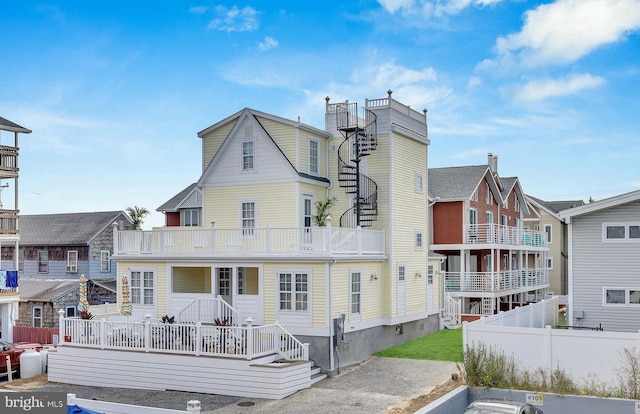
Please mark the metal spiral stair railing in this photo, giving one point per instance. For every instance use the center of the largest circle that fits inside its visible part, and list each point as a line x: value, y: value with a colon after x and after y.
x: 359, y: 142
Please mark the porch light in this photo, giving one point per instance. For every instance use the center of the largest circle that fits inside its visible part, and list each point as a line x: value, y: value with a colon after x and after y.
x: 374, y: 276
x: 418, y: 274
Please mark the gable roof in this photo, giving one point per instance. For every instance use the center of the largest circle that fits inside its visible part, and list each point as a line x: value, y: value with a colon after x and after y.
x: 253, y: 115
x: 46, y: 290
x: 7, y: 125
x: 554, y: 207
x: 457, y: 183
x: 65, y: 229
x: 174, y: 202
x: 610, y: 202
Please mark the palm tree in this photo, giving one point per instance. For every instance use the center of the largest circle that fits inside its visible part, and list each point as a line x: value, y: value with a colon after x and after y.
x: 137, y: 215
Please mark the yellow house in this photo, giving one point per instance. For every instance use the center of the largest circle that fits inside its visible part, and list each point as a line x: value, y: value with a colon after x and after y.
x: 251, y: 242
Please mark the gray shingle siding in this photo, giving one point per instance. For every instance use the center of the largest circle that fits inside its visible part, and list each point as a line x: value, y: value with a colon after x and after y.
x: 598, y: 264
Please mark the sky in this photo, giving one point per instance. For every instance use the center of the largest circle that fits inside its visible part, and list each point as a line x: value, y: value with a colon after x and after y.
x: 116, y: 91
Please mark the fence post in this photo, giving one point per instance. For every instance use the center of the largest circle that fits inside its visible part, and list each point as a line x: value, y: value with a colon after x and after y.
x: 327, y: 236
x: 198, y: 338
x: 213, y: 237
x: 548, y: 351
x: 147, y: 332
x: 60, y: 327
x: 249, y: 337
x: 103, y: 334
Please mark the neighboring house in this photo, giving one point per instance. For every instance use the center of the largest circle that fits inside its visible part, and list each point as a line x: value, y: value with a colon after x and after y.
x: 64, y: 246
x: 41, y: 299
x: 604, y: 258
x: 9, y: 215
x: 492, y: 263
x: 543, y: 216
x: 245, y: 237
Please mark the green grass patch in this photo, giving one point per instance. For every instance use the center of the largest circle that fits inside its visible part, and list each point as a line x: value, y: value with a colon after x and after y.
x: 444, y: 345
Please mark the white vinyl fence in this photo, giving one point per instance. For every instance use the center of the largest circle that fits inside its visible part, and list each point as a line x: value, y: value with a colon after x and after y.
x: 527, y: 334
x: 193, y: 407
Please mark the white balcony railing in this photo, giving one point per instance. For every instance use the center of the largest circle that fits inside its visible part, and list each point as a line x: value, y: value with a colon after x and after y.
x: 499, y: 234
x: 246, y: 342
x: 255, y: 241
x: 495, y: 281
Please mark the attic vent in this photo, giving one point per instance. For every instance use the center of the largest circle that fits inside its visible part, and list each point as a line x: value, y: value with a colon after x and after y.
x: 248, y: 131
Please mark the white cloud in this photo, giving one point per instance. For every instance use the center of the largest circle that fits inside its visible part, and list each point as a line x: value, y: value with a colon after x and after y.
x: 564, y: 31
x: 235, y: 19
x: 198, y: 9
x: 429, y: 7
x: 268, y: 43
x: 541, y: 89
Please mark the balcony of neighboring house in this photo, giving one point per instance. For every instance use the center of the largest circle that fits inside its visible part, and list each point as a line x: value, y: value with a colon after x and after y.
x: 8, y: 161
x: 498, y: 283
x: 8, y: 222
x: 503, y: 235
x: 267, y: 241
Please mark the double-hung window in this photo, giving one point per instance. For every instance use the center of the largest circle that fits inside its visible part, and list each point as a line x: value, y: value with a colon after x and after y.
x: 191, y: 218
x: 294, y: 291
x: 356, y: 292
x: 142, y: 288
x: 72, y: 261
x: 313, y: 156
x: 248, y: 217
x: 105, y: 260
x: 43, y: 261
x: 247, y: 155
x: 36, y: 317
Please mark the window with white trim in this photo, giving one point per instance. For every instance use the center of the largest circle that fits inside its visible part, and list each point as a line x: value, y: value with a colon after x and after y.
x: 43, y: 261
x: 402, y: 270
x: 621, y: 232
x: 548, y: 232
x: 516, y: 204
x: 314, y: 156
x: 356, y: 292
x: 489, y: 195
x: 224, y: 281
x: 142, y: 287
x: 247, y: 155
x: 191, y: 218
x: 550, y: 263
x: 430, y: 274
x: 621, y: 296
x: 418, y: 182
x: 21, y: 260
x: 36, y: 317
x: 474, y: 196
x: 419, y: 240
x: 70, y: 311
x: 294, y: 291
x: 72, y: 261
x: 248, y: 217
x: 105, y: 261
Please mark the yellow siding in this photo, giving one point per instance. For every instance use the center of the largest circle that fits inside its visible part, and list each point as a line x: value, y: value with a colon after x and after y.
x: 284, y: 136
x: 212, y: 142
x: 372, y: 290
x: 161, y: 280
x: 276, y: 204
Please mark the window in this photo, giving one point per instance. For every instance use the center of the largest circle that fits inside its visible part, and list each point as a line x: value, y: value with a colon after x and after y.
x: 356, y: 278
x: 548, y: 233
x: 474, y: 196
x: 248, y: 220
x: 191, y: 218
x: 36, y: 317
x: 72, y: 261
x: 419, y: 241
x: 516, y: 204
x: 70, y: 311
x: 43, y: 261
x: 549, y: 262
x: 20, y: 260
x: 294, y: 291
x: 620, y: 296
x: 142, y: 288
x: 224, y: 281
x: 615, y: 232
x: 430, y: 274
x: 489, y: 195
x: 473, y: 223
x: 313, y: 156
x: 401, y: 272
x: 247, y: 155
x: 418, y: 182
x: 105, y: 261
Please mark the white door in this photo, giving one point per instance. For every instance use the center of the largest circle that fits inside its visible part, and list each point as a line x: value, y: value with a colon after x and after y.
x: 307, y: 216
x: 223, y: 284
x: 400, y: 290
x: 431, y: 294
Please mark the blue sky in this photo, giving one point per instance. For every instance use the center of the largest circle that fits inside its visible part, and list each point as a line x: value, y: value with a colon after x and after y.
x: 116, y: 91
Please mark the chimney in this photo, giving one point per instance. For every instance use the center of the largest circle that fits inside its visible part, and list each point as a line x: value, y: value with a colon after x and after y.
x: 492, y: 160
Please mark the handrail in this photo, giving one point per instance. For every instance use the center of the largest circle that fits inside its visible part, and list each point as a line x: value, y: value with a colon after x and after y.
x: 208, y: 310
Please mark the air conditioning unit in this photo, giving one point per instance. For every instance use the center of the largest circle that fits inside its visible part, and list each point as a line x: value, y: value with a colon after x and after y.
x: 72, y: 268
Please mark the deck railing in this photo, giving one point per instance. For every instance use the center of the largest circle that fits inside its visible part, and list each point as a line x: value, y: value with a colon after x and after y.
x: 246, y: 342
x: 9, y: 221
x: 208, y: 310
x: 212, y: 241
x: 495, y: 281
x: 499, y: 234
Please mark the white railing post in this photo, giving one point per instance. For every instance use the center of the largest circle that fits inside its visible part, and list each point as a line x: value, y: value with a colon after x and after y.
x: 103, y: 335
x: 359, y: 238
x: 61, y: 329
x: 198, y: 338
x: 193, y: 407
x: 268, y: 239
x: 161, y: 234
x: 147, y: 332
x: 213, y: 237
x: 114, y: 226
x: 328, y: 236
x: 249, y: 337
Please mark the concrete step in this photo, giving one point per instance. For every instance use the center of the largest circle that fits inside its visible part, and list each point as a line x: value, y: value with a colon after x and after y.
x: 317, y: 375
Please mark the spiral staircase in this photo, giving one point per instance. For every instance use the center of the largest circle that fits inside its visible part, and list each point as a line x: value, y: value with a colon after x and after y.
x: 359, y: 141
